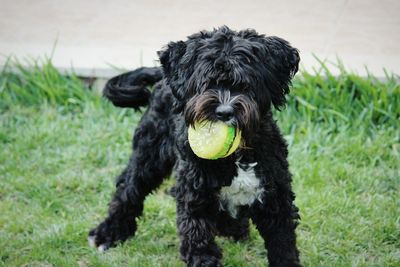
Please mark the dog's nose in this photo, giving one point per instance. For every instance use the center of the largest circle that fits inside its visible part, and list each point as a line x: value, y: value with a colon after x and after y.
x: 224, y: 112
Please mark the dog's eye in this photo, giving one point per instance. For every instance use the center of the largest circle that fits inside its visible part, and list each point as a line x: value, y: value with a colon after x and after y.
x: 240, y: 89
x: 236, y: 90
x: 219, y: 67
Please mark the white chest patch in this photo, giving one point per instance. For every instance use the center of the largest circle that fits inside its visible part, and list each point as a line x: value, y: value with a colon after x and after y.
x: 244, y: 190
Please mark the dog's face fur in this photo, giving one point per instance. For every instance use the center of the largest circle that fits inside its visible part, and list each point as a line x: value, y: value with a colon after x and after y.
x: 231, y: 76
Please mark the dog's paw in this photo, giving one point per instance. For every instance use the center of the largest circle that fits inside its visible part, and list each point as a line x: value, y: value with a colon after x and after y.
x: 109, y: 234
x: 95, y: 244
x: 204, y: 261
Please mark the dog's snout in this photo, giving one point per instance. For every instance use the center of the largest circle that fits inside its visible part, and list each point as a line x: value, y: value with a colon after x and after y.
x: 224, y: 112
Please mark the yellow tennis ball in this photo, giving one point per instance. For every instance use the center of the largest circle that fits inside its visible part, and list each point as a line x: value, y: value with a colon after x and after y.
x: 213, y: 140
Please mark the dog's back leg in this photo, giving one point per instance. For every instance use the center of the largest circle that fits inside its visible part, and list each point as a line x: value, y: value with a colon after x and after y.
x: 151, y: 162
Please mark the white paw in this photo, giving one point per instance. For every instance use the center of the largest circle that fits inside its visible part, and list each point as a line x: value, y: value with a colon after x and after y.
x: 102, y: 248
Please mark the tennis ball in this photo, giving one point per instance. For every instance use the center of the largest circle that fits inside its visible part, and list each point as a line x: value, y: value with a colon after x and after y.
x: 213, y: 140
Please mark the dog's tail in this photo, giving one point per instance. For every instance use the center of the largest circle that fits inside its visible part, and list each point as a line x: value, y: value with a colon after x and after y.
x: 131, y: 89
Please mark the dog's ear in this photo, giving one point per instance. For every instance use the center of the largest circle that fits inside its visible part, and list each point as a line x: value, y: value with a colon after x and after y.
x: 282, y: 64
x: 171, y: 62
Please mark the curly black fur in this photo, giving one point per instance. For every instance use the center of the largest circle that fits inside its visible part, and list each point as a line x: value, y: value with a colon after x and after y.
x: 242, y: 74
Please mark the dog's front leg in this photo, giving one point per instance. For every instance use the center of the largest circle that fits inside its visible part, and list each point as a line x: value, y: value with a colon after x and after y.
x: 196, y: 219
x: 276, y: 219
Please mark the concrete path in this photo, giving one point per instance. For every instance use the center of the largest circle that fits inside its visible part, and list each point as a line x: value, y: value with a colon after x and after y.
x: 95, y: 35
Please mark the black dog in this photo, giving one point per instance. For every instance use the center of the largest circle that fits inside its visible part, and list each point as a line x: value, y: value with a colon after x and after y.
x: 235, y: 77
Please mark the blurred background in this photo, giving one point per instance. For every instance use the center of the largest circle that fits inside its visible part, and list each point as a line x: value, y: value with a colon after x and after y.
x: 94, y: 37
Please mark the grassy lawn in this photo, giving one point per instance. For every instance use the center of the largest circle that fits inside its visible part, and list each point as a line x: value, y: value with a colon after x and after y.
x: 62, y: 146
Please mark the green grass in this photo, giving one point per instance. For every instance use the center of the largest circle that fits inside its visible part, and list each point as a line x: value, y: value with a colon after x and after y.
x: 62, y: 146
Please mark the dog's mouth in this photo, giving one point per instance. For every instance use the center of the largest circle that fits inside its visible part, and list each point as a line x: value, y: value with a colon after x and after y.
x: 238, y: 110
